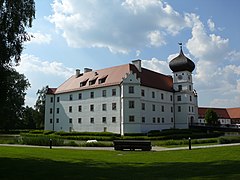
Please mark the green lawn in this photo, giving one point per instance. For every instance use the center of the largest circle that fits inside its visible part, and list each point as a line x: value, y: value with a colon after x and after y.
x: 40, y: 163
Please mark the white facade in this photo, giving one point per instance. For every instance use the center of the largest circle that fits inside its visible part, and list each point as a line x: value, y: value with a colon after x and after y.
x: 128, y: 107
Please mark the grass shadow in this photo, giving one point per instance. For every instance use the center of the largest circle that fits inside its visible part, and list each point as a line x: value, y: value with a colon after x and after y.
x: 17, y: 168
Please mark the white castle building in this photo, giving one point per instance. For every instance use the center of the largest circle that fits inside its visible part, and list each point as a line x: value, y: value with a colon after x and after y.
x: 124, y: 99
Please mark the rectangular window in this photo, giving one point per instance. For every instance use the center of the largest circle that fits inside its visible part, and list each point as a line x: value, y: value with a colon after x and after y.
x: 192, y: 109
x: 179, y: 87
x: 80, y: 96
x: 113, y: 119
x: 114, y: 106
x: 190, y: 87
x: 171, y: 98
x: 171, y: 109
x: 51, y: 110
x: 158, y: 119
x: 57, y: 120
x: 143, y: 119
x: 162, y: 108
x: 162, y: 96
x: 91, y: 94
x: 113, y: 92
x: 172, y: 119
x: 79, y: 108
x: 154, y: 120
x: 70, y: 120
x: 143, y: 106
x: 162, y: 120
x: 57, y: 110
x: 104, y: 93
x: 104, y: 107
x: 190, y: 97
x: 51, y: 100
x: 70, y: 97
x: 70, y: 109
x: 51, y: 121
x: 92, y: 120
x: 131, y: 89
x: 131, y: 118
x: 179, y: 108
x: 104, y: 120
x: 153, y: 107
x: 179, y: 98
x: 58, y: 99
x: 91, y: 107
x: 79, y: 120
x: 153, y: 94
x: 189, y: 109
x: 131, y: 104
x: 142, y: 92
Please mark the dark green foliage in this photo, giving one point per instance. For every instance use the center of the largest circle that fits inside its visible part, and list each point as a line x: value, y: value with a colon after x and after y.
x: 15, y: 17
x: 13, y: 86
x: 40, y: 106
x: 229, y: 139
x: 211, y: 117
x: 42, y: 141
x: 62, y: 133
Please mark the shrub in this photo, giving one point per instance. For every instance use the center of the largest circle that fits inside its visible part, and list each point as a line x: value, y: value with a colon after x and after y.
x: 97, y: 144
x: 41, y: 141
x: 71, y: 143
x: 229, y: 139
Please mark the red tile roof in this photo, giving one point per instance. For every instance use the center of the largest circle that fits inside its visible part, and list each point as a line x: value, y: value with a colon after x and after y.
x: 51, y: 90
x: 114, y: 76
x: 227, y: 113
x: 221, y: 112
x: 234, y: 113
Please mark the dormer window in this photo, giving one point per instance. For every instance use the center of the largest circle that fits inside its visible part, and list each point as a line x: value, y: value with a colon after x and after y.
x: 92, y: 81
x: 102, y: 79
x: 83, y: 83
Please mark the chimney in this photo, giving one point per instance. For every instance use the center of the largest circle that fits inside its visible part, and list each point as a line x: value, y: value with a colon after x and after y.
x: 77, y: 73
x: 138, y: 65
x: 87, y: 70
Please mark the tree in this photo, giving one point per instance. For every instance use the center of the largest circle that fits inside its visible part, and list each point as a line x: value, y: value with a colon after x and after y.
x: 13, y: 86
x: 40, y: 106
x: 15, y: 17
x: 29, y: 118
x: 211, y: 117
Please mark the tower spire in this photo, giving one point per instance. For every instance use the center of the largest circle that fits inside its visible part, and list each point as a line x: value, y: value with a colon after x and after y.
x: 180, y: 46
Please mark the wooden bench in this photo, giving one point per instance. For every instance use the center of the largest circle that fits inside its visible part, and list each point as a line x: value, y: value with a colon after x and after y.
x: 144, y: 145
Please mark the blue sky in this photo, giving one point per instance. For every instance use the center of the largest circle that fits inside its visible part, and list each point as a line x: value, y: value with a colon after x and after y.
x: 71, y: 34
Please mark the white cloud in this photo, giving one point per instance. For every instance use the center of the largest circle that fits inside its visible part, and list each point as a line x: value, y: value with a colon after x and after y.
x: 157, y: 65
x: 211, y: 25
x: 138, y: 52
x: 119, y: 26
x: 41, y: 73
x: 30, y: 63
x: 40, y: 38
x: 156, y: 38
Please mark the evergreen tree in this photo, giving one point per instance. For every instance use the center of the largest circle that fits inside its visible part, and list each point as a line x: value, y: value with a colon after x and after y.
x: 211, y: 117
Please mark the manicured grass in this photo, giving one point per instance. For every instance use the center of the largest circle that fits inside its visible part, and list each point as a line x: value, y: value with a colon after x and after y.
x: 42, y: 163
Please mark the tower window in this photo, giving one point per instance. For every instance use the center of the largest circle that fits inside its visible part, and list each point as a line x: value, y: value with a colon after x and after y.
x: 143, y: 119
x: 131, y: 118
x: 153, y: 107
x: 179, y: 98
x: 142, y: 92
x: 131, y: 89
x: 179, y: 108
x: 179, y: 87
x: 143, y: 106
x: 153, y: 94
x: 190, y: 87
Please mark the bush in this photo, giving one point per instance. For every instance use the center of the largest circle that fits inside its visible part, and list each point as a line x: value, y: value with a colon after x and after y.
x: 97, y: 144
x: 41, y: 141
x: 62, y: 133
x: 71, y: 143
x: 229, y: 139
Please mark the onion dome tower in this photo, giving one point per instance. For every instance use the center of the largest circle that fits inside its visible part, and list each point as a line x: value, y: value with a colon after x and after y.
x: 181, y: 62
x: 185, y: 97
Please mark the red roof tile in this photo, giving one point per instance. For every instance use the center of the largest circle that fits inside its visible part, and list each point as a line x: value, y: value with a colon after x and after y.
x: 234, y: 113
x: 51, y: 90
x: 221, y: 112
x: 114, y: 76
